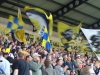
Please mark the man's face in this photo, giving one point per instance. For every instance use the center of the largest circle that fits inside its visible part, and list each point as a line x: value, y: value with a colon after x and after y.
x: 3, y: 50
x: 5, y: 56
x: 24, y: 48
x: 65, y: 57
x: 60, y: 62
x: 10, y: 46
x: 53, y: 55
x: 36, y: 58
x: 29, y: 58
x: 12, y: 43
x: 69, y: 58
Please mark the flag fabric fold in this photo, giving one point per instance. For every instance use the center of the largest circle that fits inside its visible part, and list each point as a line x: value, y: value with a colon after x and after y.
x: 21, y: 22
x: 93, y: 37
x: 67, y: 33
x: 19, y: 34
x: 46, y: 41
x: 4, y: 30
x: 40, y: 19
x: 16, y: 25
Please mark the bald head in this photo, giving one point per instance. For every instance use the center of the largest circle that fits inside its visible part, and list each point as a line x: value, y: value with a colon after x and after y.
x: 87, y: 71
x: 20, y: 55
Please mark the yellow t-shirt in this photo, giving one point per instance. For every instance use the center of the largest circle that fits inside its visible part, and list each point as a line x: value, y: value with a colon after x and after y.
x: 7, y: 50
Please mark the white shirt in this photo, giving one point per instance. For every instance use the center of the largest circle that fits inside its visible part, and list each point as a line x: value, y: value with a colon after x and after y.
x: 60, y: 70
x: 99, y: 72
x: 5, y: 65
x: 11, y: 55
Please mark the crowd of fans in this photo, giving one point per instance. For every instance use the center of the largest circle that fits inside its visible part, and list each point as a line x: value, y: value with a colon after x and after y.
x: 20, y: 59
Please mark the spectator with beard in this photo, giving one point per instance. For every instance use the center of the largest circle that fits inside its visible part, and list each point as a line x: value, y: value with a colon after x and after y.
x: 36, y: 64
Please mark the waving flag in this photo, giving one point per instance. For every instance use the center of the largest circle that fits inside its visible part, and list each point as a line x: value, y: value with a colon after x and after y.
x: 67, y: 33
x: 93, y: 37
x: 40, y: 19
x: 4, y: 30
x: 19, y: 34
x: 46, y: 41
x: 15, y: 22
x: 21, y: 22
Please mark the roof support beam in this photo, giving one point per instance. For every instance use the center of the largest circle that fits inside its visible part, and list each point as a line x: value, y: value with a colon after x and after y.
x: 25, y: 4
x: 52, y: 1
x: 76, y: 10
x: 80, y: 11
x: 95, y: 25
x: 23, y: 13
x: 92, y: 6
x: 15, y: 4
x: 76, y: 21
x: 2, y: 1
x: 12, y: 3
x: 85, y: 14
x: 27, y: 21
x: 66, y: 8
x: 50, y: 11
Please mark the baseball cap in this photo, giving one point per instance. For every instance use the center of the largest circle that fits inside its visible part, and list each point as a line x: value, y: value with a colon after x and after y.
x: 60, y: 58
x: 35, y: 54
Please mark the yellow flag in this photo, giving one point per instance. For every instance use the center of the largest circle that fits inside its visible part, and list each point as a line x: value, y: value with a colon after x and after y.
x: 66, y: 32
x: 40, y: 19
x: 21, y: 22
x: 4, y: 30
x: 20, y: 35
x: 70, y: 37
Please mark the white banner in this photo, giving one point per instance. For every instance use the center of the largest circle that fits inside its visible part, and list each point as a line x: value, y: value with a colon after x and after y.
x: 93, y: 37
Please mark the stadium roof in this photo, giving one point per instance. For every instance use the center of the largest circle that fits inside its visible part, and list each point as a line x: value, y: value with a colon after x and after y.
x: 70, y: 11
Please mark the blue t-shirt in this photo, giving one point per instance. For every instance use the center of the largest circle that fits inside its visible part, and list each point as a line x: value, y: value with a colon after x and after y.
x: 1, y: 71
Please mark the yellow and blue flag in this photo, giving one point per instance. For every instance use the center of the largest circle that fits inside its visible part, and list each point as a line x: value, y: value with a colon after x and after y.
x: 40, y: 19
x: 15, y: 22
x: 46, y: 41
